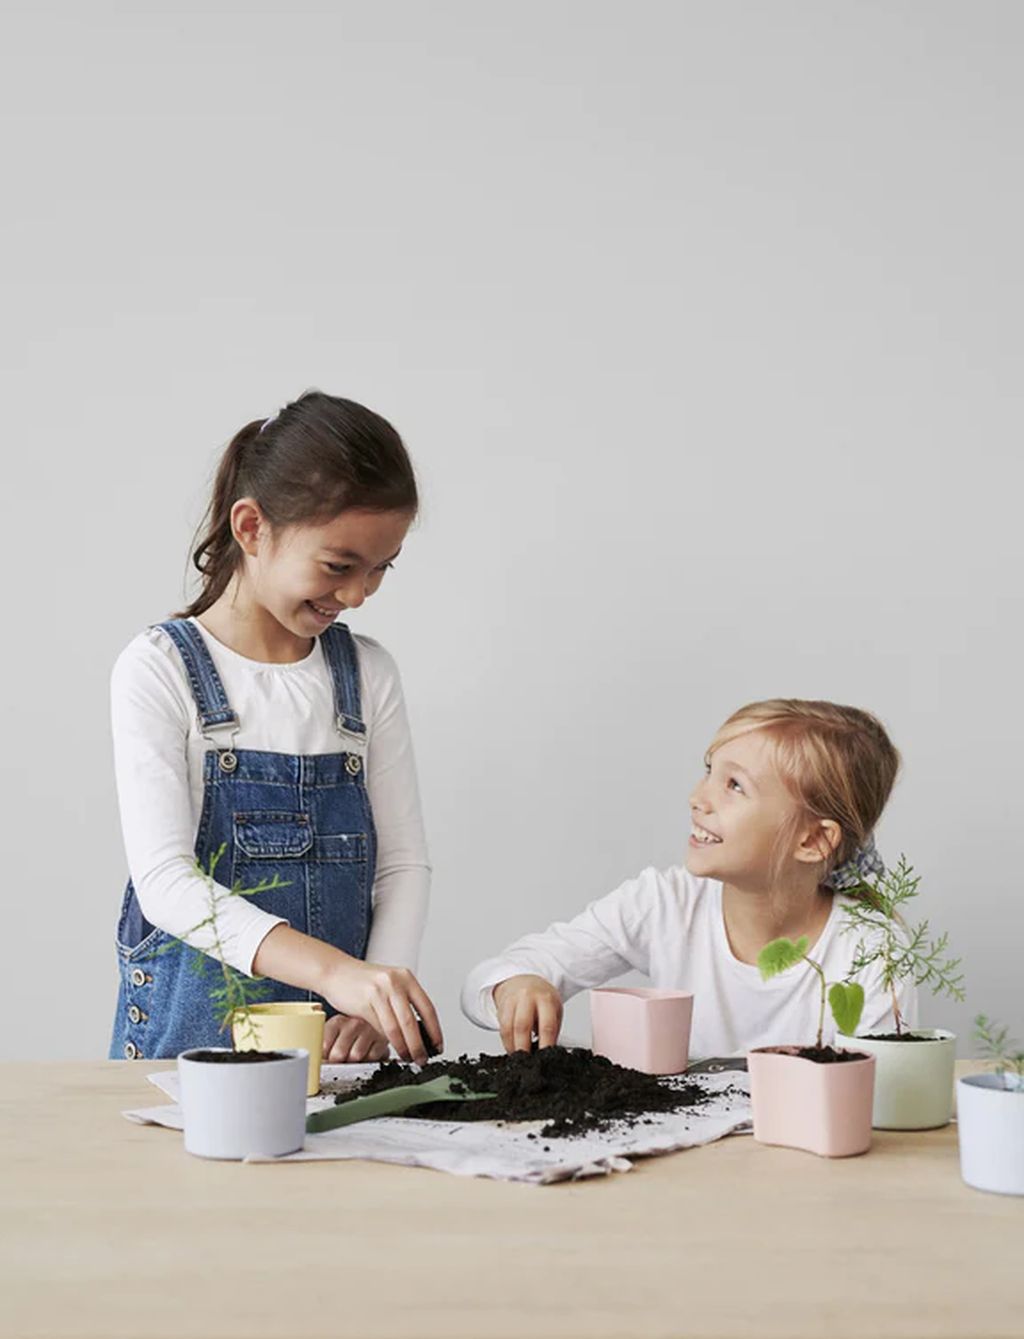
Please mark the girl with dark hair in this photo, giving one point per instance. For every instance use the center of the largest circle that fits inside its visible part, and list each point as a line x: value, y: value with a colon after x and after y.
x: 254, y: 724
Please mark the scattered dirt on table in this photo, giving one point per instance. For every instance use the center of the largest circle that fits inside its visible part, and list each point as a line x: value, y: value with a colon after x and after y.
x: 571, y: 1089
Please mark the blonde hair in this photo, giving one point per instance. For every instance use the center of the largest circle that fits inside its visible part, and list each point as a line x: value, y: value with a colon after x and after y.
x: 838, y: 763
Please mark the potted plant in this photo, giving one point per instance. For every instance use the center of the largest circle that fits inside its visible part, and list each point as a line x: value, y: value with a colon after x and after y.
x: 816, y: 1098
x: 990, y: 1115
x: 914, y: 1077
x: 239, y: 1101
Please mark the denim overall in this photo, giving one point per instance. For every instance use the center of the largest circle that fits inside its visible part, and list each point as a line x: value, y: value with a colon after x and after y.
x: 305, y: 818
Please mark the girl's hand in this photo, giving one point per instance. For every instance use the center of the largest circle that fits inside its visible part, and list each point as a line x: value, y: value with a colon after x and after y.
x: 352, y: 1041
x: 385, y: 997
x: 528, y: 1006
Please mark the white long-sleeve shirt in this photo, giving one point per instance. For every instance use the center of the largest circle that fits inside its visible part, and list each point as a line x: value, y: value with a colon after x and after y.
x: 158, y: 761
x: 669, y: 925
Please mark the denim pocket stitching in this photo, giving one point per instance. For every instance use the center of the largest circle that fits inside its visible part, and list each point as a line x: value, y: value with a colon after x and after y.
x: 254, y: 849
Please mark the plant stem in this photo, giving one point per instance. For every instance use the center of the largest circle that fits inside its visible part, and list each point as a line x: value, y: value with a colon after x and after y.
x: 824, y: 987
x: 896, y: 1011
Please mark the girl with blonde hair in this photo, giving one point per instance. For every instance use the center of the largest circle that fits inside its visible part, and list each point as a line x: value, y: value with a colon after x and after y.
x: 781, y: 837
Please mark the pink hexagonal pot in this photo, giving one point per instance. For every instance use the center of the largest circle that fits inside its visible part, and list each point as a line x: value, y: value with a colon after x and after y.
x: 642, y: 1029
x: 801, y: 1103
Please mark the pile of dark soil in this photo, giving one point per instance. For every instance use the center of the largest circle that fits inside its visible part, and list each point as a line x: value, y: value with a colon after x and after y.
x: 573, y: 1090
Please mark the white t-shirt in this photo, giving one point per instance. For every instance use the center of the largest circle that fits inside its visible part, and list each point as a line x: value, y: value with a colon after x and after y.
x: 158, y: 762
x: 669, y: 925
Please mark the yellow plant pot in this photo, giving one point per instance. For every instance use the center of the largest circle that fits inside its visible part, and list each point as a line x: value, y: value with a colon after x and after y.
x: 282, y: 1027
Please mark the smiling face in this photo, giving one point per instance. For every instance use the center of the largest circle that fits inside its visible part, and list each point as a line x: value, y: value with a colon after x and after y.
x: 740, y: 812
x: 306, y: 575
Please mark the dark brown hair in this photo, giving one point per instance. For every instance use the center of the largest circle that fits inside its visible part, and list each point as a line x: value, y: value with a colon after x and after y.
x: 318, y: 456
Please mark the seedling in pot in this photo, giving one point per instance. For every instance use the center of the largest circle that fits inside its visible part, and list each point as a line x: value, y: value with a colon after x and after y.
x: 242, y: 1109
x: 904, y: 953
x: 1005, y: 1054
x: 232, y: 994
x: 845, y: 998
x: 823, y: 1107
x: 990, y: 1115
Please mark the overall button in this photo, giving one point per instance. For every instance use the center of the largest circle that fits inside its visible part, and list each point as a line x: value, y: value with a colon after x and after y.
x: 138, y: 977
x: 353, y: 765
x: 131, y: 1051
x: 135, y: 1013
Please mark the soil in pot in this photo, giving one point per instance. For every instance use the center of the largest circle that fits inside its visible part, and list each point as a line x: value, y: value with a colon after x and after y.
x: 822, y: 1055
x: 898, y: 1036
x: 235, y: 1057
x: 572, y: 1089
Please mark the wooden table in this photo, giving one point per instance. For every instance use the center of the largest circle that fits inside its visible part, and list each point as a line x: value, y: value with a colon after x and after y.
x: 110, y: 1229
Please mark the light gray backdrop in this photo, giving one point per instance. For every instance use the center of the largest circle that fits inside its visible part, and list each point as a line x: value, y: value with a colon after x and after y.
x: 703, y: 324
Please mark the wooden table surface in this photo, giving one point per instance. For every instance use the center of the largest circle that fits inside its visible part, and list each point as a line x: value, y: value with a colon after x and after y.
x: 110, y: 1229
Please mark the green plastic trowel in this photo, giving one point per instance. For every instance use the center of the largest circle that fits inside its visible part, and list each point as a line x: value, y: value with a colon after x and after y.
x: 392, y: 1102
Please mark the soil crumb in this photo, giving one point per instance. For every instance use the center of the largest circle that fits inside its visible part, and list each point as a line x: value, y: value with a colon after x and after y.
x: 571, y: 1089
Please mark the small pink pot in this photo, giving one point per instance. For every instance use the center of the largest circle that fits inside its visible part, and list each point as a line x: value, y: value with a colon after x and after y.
x: 800, y: 1103
x: 647, y: 1030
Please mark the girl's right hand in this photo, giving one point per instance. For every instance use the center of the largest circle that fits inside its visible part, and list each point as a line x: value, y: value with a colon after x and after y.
x: 385, y: 997
x: 528, y: 1006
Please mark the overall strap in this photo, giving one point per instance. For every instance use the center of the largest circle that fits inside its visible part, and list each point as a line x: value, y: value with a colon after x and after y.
x: 215, y: 715
x: 343, y: 661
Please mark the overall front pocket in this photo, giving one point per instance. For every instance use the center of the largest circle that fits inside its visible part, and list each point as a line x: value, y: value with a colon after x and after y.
x: 272, y: 836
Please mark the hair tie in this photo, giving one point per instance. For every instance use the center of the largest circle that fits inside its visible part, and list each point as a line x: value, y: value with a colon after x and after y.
x: 863, y: 864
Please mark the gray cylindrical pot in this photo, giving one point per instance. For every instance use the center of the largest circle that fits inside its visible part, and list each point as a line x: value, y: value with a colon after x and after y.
x: 913, y: 1079
x: 244, y: 1110
x: 990, y: 1125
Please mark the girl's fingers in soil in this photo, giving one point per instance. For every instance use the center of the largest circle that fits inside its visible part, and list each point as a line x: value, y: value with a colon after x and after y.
x: 505, y: 1028
x: 549, y: 1021
x: 385, y: 1021
x: 424, y: 1006
x: 410, y: 1028
x: 524, y: 1024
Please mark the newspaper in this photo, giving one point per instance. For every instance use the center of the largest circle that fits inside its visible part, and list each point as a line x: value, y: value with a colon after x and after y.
x: 508, y: 1152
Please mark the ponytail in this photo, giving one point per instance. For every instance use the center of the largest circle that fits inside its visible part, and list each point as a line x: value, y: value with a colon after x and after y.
x: 217, y: 556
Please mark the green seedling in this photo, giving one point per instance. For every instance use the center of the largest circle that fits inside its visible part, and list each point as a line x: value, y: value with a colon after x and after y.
x: 997, y: 1047
x: 845, y: 998
x: 232, y: 994
x: 904, y: 953
x: 392, y: 1102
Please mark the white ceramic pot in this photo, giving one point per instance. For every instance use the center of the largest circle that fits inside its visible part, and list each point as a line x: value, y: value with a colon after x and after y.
x: 990, y: 1124
x: 913, y: 1079
x: 244, y: 1110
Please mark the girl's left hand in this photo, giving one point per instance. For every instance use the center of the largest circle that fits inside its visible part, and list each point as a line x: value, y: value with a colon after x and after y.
x: 352, y: 1041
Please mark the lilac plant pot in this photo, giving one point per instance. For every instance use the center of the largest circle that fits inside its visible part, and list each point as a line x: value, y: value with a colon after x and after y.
x: 642, y: 1029
x: 800, y: 1103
